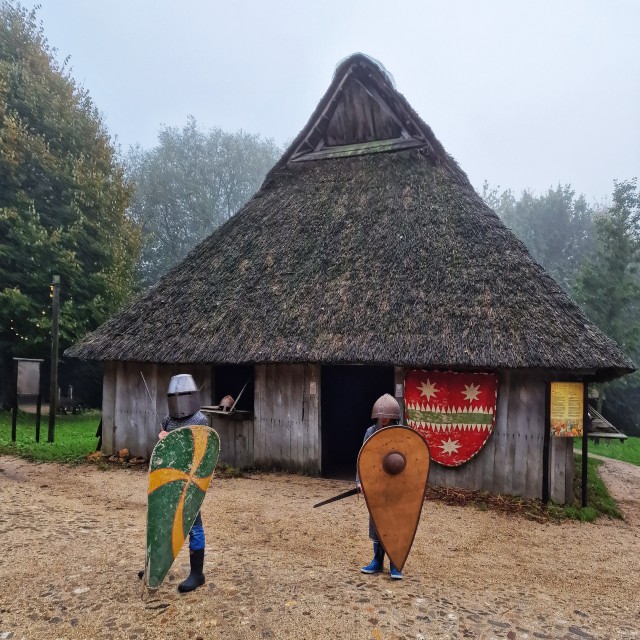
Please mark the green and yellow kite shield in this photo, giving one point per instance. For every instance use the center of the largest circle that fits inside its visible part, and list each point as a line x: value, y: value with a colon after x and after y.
x: 180, y: 471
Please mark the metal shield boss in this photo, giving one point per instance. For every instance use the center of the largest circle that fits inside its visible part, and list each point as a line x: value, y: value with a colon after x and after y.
x: 180, y: 471
x: 393, y: 466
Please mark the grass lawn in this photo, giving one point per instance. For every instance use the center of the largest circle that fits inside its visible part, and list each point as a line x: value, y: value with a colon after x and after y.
x: 74, y: 437
x: 628, y: 451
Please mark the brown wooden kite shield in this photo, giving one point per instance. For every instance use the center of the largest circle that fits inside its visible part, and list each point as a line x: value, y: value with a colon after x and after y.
x: 393, y: 466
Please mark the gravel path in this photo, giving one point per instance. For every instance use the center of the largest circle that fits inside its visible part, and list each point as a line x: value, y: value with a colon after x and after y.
x: 73, y: 541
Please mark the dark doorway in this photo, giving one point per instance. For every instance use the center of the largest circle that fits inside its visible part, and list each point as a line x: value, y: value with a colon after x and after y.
x: 348, y: 393
x: 236, y: 381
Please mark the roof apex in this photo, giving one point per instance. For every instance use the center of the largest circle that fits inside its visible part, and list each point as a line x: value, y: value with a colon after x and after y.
x: 360, y: 113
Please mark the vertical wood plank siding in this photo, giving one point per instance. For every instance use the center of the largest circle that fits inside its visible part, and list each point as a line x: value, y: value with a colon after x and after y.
x: 560, y: 469
x: 108, y: 406
x: 511, y: 460
x: 128, y: 413
x: 286, y: 417
x: 286, y: 430
x: 236, y: 440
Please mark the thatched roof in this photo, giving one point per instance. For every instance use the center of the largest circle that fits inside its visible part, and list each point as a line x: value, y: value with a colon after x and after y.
x: 365, y: 244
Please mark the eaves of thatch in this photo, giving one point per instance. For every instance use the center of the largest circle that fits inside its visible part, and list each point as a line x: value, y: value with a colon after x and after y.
x: 370, y: 247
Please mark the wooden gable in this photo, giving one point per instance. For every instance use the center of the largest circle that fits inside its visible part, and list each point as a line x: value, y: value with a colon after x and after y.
x: 358, y: 118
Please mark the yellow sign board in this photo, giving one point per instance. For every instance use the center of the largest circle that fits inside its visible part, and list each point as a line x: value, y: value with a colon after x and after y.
x: 567, y: 409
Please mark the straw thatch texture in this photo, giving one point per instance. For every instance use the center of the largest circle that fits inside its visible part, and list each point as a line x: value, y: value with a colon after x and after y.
x: 387, y: 258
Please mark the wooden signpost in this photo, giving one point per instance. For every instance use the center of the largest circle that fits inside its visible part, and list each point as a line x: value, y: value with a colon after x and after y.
x: 566, y: 415
x: 26, y: 385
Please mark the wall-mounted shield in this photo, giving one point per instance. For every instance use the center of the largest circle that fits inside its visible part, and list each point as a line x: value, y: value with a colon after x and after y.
x: 453, y: 411
x: 393, y: 466
x: 180, y: 471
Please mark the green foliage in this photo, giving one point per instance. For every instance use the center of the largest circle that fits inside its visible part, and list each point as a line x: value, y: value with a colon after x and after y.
x: 628, y: 451
x: 608, y: 286
x: 63, y: 198
x: 75, y: 437
x: 584, y: 514
x: 556, y: 227
x: 188, y: 185
x: 593, y: 253
x: 608, y: 289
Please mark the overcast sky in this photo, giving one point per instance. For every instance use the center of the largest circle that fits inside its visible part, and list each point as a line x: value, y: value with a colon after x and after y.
x: 522, y: 94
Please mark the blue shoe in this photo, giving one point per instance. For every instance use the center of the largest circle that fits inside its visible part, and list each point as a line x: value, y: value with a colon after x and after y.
x: 375, y: 566
x: 396, y: 574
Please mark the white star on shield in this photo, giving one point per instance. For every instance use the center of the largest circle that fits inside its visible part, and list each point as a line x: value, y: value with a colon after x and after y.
x: 450, y: 446
x: 471, y: 391
x: 428, y: 389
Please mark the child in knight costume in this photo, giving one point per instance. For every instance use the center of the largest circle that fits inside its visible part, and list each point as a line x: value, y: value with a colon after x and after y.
x: 386, y: 412
x: 183, y: 399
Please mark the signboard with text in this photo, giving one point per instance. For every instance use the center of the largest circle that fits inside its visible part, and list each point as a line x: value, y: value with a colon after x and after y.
x: 567, y: 409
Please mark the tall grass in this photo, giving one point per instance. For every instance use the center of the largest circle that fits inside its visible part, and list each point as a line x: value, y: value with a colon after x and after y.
x: 74, y: 437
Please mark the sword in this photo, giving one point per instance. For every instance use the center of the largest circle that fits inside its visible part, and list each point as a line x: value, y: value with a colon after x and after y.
x: 238, y: 398
x: 150, y: 398
x: 340, y: 496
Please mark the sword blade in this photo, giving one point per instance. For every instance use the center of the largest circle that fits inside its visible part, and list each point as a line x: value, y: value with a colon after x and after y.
x: 340, y: 496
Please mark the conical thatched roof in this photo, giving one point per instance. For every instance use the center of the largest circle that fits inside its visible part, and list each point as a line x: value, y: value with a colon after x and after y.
x: 365, y: 244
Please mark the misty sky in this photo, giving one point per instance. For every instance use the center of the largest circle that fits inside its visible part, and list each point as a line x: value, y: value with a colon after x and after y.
x: 522, y: 94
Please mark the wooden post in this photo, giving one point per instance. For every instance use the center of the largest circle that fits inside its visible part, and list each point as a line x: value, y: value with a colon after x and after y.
x: 398, y: 379
x: 14, y: 404
x: 38, y: 416
x: 53, y: 379
x: 39, y: 403
x: 546, y: 443
x: 585, y: 442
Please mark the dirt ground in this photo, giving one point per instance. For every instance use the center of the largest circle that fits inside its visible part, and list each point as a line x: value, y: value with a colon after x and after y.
x: 73, y: 541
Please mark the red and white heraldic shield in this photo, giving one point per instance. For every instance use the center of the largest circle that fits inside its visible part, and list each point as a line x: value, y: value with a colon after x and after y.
x: 454, y: 412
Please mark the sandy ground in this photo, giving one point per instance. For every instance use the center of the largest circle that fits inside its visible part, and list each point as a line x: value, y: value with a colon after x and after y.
x: 73, y: 541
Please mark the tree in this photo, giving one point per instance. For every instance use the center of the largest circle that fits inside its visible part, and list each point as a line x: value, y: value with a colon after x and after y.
x: 556, y: 227
x: 63, y: 198
x: 593, y: 254
x: 188, y: 185
x: 608, y: 289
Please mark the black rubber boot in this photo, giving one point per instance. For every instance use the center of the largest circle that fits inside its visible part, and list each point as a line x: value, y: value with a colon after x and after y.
x: 196, y: 577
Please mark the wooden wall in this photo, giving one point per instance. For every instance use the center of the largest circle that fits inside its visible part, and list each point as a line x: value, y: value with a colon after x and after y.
x: 511, y: 460
x: 128, y: 414
x: 285, y: 432
x: 236, y: 439
x: 287, y: 417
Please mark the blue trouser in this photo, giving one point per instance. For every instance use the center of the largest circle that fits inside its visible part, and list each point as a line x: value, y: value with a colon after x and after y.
x: 196, y: 535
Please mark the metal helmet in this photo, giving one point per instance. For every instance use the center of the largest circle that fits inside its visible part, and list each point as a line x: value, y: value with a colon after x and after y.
x: 226, y: 403
x: 183, y: 396
x: 386, y: 406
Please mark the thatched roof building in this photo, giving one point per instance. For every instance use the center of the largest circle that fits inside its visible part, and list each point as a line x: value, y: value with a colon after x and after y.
x: 377, y: 253
x: 366, y: 244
